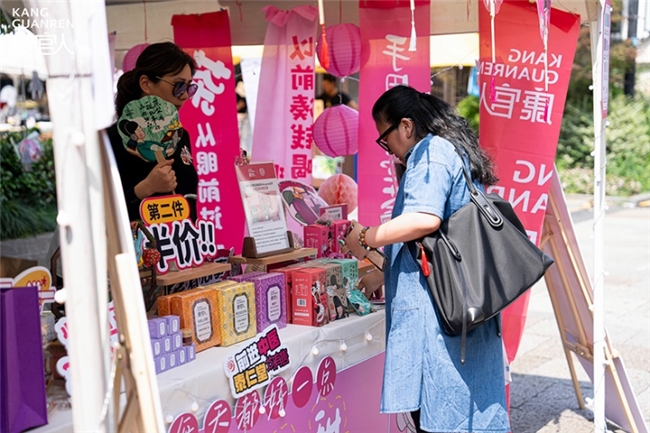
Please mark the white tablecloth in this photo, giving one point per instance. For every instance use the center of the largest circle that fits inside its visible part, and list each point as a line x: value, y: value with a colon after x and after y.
x: 204, y: 381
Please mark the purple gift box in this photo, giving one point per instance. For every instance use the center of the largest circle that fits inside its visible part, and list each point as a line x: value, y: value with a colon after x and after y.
x: 172, y: 357
x: 22, y: 379
x: 157, y: 346
x: 177, y: 341
x: 270, y: 303
x: 181, y: 355
x: 162, y: 363
x: 190, y: 351
x: 166, y: 343
x: 173, y: 324
x: 157, y: 327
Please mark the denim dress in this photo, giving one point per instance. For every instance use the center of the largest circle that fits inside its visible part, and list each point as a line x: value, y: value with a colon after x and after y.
x: 423, y: 369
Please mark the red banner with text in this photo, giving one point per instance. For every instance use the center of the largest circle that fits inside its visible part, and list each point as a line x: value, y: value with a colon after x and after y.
x: 210, y: 117
x: 521, y: 115
x: 386, y: 61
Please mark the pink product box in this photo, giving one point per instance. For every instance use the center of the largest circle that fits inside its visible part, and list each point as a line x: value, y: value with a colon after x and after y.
x: 177, y: 341
x: 157, y: 327
x: 317, y: 236
x: 245, y: 277
x: 338, y: 228
x: 166, y: 343
x: 173, y: 324
x: 270, y: 300
x: 162, y: 363
x: 157, y: 346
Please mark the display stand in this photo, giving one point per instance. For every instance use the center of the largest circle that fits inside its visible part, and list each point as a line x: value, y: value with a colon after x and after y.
x: 571, y: 293
x: 260, y: 264
x: 174, y: 277
x: 250, y: 250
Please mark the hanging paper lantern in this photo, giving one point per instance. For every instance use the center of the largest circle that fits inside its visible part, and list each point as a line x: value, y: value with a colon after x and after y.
x: 344, y: 43
x: 131, y: 57
x: 339, y: 189
x: 336, y: 131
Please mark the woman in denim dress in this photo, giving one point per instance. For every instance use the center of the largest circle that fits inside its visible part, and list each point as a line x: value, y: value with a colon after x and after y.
x: 423, y: 373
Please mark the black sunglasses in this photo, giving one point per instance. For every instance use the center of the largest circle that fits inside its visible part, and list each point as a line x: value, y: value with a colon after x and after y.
x: 381, y: 141
x: 181, y: 87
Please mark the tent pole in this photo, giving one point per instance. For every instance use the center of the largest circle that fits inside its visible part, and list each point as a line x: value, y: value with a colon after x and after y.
x: 600, y: 92
x: 80, y: 205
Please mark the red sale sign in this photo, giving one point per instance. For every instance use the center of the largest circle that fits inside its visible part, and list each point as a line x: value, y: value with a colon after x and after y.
x: 210, y: 117
x: 521, y: 116
x: 386, y: 62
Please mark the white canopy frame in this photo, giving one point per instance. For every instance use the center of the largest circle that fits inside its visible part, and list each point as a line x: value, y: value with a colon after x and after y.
x: 84, y: 180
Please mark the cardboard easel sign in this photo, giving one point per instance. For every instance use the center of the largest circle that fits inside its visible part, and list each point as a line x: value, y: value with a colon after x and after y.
x: 182, y: 243
x: 31, y: 276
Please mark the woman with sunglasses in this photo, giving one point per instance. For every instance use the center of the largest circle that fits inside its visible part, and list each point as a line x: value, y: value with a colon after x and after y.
x: 166, y: 71
x: 422, y: 371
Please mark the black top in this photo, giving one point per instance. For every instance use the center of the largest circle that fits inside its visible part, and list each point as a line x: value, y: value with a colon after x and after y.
x: 337, y: 99
x: 134, y: 170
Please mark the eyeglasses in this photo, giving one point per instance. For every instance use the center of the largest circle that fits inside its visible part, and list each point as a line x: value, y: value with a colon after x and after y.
x: 181, y: 87
x: 381, y: 141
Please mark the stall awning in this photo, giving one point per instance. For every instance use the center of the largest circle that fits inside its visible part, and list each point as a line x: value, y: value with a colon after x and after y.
x: 446, y: 50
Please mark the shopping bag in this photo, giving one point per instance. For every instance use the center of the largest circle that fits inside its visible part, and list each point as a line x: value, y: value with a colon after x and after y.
x: 22, y: 379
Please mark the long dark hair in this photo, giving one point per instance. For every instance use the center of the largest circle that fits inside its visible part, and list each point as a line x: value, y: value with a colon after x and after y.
x: 433, y: 115
x: 157, y: 60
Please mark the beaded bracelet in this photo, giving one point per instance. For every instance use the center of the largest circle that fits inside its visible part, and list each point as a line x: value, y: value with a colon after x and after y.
x: 362, y: 239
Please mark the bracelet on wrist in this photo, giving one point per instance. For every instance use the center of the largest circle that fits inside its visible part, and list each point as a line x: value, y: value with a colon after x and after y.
x: 362, y: 239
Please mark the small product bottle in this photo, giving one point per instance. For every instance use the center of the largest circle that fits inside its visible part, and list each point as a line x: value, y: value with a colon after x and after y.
x: 187, y: 336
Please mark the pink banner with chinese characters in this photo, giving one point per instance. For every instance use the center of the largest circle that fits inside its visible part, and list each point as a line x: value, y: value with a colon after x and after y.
x: 520, y: 120
x: 322, y: 400
x: 284, y: 118
x: 210, y: 117
x: 386, y: 62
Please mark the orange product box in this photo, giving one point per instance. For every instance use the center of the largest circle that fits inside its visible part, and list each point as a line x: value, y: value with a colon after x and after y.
x: 164, y: 302
x: 309, y: 297
x: 164, y: 305
x: 237, y: 312
x: 198, y: 312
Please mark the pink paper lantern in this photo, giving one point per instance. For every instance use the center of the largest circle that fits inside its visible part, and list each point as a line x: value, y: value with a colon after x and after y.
x: 131, y: 57
x: 336, y: 131
x: 344, y: 42
x: 339, y: 189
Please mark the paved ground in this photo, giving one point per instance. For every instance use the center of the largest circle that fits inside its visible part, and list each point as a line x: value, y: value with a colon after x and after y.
x: 542, y: 395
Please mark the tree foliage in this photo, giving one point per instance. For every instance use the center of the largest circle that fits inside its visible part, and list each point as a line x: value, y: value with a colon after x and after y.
x: 27, y: 197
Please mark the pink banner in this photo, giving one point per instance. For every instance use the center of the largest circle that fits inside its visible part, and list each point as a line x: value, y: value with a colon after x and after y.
x: 284, y: 118
x: 317, y: 401
x: 520, y: 120
x: 210, y: 117
x: 386, y: 62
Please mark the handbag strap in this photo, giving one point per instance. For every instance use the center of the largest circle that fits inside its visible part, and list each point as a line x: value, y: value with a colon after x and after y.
x: 468, y: 177
x: 478, y: 197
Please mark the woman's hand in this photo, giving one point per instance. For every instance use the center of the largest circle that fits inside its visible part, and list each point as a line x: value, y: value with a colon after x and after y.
x: 352, y: 241
x: 371, y: 283
x: 161, y: 178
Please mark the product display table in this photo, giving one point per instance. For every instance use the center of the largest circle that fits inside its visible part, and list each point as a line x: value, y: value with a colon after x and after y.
x: 203, y: 380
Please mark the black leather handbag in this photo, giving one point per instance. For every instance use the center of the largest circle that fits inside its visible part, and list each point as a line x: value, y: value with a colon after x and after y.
x: 478, y: 262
